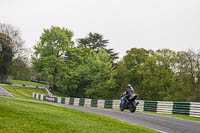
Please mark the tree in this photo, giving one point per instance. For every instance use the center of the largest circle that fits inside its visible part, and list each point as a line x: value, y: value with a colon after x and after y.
x: 12, y: 48
x: 96, y: 42
x: 78, y: 72
x: 161, y: 75
x: 73, y: 73
x: 100, y: 75
x: 16, y: 41
x: 51, y: 52
x: 87, y: 74
x: 122, y: 78
x: 159, y: 78
x: 20, y: 69
x: 6, y: 56
x: 188, y: 76
x: 130, y: 71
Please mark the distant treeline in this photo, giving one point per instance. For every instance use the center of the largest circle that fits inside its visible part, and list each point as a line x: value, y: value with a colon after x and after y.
x: 161, y: 75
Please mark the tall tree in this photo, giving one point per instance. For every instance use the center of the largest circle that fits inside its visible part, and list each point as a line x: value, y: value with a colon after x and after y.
x: 11, y: 48
x: 96, y: 42
x: 159, y: 78
x: 188, y: 75
x: 130, y: 70
x: 6, y: 56
x: 51, y: 51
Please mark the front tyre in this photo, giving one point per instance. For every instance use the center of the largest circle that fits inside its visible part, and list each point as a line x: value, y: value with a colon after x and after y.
x: 132, y: 107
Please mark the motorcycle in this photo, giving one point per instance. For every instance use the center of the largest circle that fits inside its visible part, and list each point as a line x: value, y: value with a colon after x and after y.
x: 129, y: 103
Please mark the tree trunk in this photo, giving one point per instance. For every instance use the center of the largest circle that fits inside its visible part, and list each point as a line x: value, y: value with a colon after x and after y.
x: 3, y: 77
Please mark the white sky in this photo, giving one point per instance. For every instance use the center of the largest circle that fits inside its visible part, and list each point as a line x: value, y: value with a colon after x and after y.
x: 149, y: 24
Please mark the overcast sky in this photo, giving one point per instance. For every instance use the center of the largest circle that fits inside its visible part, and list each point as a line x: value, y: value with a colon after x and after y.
x: 149, y: 24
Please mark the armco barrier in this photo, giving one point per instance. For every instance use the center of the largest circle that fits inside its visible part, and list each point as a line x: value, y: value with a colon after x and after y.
x: 165, y: 107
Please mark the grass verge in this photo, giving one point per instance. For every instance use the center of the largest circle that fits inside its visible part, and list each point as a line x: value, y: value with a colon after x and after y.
x: 23, y: 92
x: 27, y: 83
x: 23, y: 117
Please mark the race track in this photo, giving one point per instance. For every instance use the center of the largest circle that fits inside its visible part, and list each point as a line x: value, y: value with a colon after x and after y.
x: 4, y: 92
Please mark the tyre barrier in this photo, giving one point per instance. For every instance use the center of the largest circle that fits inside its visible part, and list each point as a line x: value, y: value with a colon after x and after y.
x: 81, y: 101
x: 94, y: 102
x: 164, y: 107
x: 181, y: 108
x: 150, y: 106
x: 62, y: 100
x: 71, y: 101
x: 100, y: 103
x: 194, y: 109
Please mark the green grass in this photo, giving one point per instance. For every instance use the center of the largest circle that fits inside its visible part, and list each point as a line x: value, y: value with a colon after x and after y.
x: 27, y: 83
x: 185, y: 117
x: 26, y: 117
x: 23, y: 92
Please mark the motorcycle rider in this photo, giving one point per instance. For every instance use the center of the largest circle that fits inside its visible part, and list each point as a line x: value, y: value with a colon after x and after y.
x: 129, y: 92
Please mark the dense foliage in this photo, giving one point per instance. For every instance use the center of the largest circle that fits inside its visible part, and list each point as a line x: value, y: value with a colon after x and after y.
x: 161, y: 74
x: 75, y: 71
x: 87, y: 70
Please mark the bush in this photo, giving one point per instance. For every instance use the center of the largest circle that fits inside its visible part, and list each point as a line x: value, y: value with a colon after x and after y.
x: 5, y: 82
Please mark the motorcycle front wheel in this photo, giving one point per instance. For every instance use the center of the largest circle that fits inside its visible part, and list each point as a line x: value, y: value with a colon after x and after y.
x: 132, y: 107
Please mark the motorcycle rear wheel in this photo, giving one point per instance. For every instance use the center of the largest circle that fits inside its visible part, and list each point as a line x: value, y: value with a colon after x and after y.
x: 120, y: 107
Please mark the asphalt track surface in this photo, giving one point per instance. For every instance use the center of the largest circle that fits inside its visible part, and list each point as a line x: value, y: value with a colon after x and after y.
x: 4, y: 92
x: 160, y: 123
